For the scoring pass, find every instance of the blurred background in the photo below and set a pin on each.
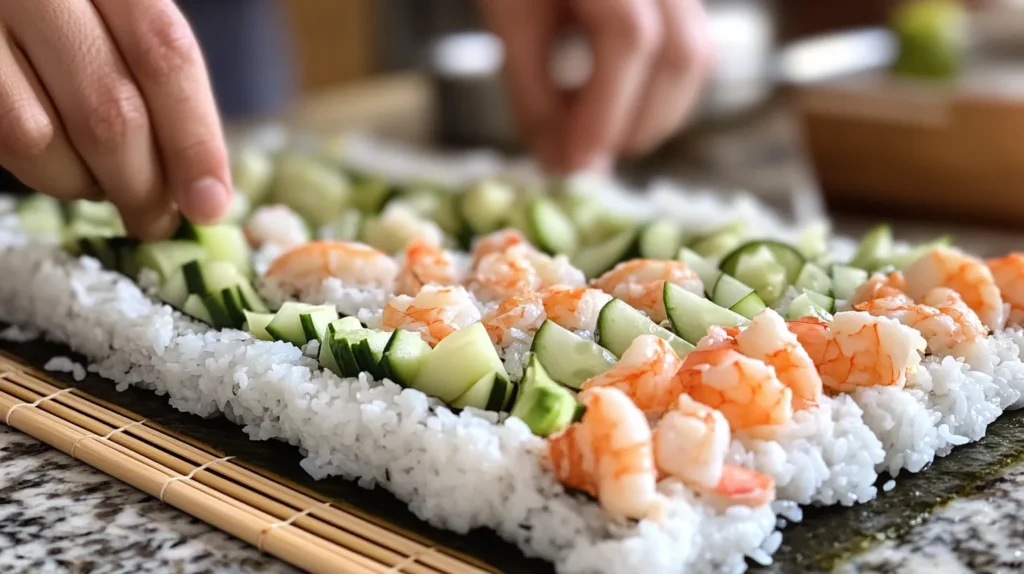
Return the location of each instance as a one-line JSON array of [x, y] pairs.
[[813, 103]]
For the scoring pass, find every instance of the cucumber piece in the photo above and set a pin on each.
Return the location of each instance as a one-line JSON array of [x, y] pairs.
[[731, 293], [287, 324], [347, 227], [486, 205], [208, 309], [370, 351], [767, 266], [490, 393], [902, 260], [458, 361], [403, 357], [358, 351], [40, 214], [100, 213], [846, 279], [210, 276], [594, 222], [596, 259], [317, 192], [250, 299], [252, 172], [811, 304], [691, 315], [165, 257], [326, 355], [195, 307], [369, 194], [550, 228], [660, 240], [436, 205], [231, 299], [544, 405], [568, 358], [125, 249], [256, 324], [717, 244], [98, 248], [224, 242], [174, 291], [314, 323], [345, 324], [618, 325], [875, 248], [704, 269], [344, 356], [814, 278], [812, 240]]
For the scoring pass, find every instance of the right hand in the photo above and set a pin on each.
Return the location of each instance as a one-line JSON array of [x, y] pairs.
[[108, 99]]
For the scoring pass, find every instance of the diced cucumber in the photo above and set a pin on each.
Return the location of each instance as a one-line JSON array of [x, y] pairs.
[[314, 323], [256, 324], [98, 248], [100, 213], [344, 356], [369, 193], [691, 315], [812, 241], [568, 358], [40, 214], [458, 361], [731, 293], [846, 279], [250, 299], [359, 351], [717, 244], [224, 242], [345, 324], [370, 351], [287, 324], [196, 308], [252, 172], [618, 325], [174, 291], [660, 240], [347, 227], [544, 405], [902, 260], [486, 205], [594, 221], [704, 269], [596, 259], [875, 248], [490, 393], [437, 205], [316, 191], [550, 228], [208, 309], [814, 278], [166, 257], [125, 249], [231, 299], [326, 355], [767, 266], [811, 304], [403, 357], [210, 276]]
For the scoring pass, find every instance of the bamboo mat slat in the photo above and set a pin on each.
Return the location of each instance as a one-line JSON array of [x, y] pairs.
[[298, 527]]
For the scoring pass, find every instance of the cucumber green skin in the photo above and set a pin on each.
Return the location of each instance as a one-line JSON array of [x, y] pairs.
[[403, 357], [569, 359], [786, 255], [685, 310], [457, 362], [618, 325], [544, 405]]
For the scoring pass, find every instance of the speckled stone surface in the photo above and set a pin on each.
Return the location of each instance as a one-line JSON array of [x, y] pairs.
[[59, 515]]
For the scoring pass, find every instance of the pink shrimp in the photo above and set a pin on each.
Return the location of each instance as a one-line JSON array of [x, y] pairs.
[[1008, 273], [968, 276], [575, 308], [354, 264], [767, 339], [496, 242], [425, 264], [646, 373], [947, 324], [501, 274], [517, 318], [609, 454], [879, 286], [435, 312], [641, 283]]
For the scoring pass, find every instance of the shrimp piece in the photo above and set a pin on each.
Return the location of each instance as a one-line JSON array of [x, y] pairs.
[[968, 276], [741, 486], [860, 350], [496, 242], [646, 373], [502, 274], [641, 283], [555, 270], [575, 308], [879, 286], [515, 319], [1008, 273], [745, 390], [355, 264], [767, 339], [435, 312], [609, 454], [947, 324], [425, 264], [277, 225], [690, 443]]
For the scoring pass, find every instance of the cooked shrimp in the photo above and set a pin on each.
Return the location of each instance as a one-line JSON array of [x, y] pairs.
[[944, 320], [501, 274], [646, 373], [496, 242], [641, 283], [691, 441], [575, 308], [278, 225], [860, 350], [555, 270], [741, 486], [878, 287], [425, 264], [609, 454], [968, 276], [435, 312], [355, 264], [1009, 275], [745, 390], [767, 339], [517, 318]]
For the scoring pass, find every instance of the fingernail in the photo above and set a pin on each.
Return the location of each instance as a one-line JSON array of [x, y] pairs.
[[206, 200]]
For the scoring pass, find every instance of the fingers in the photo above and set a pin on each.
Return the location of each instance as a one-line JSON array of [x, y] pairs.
[[101, 108], [677, 78], [164, 58], [527, 29], [625, 37], [33, 145]]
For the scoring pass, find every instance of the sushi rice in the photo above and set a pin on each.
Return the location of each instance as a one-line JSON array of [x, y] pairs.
[[379, 434]]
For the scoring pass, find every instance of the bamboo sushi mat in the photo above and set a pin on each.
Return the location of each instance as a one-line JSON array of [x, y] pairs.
[[291, 524]]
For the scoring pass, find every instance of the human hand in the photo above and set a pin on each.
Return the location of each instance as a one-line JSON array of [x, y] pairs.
[[650, 60], [107, 99]]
